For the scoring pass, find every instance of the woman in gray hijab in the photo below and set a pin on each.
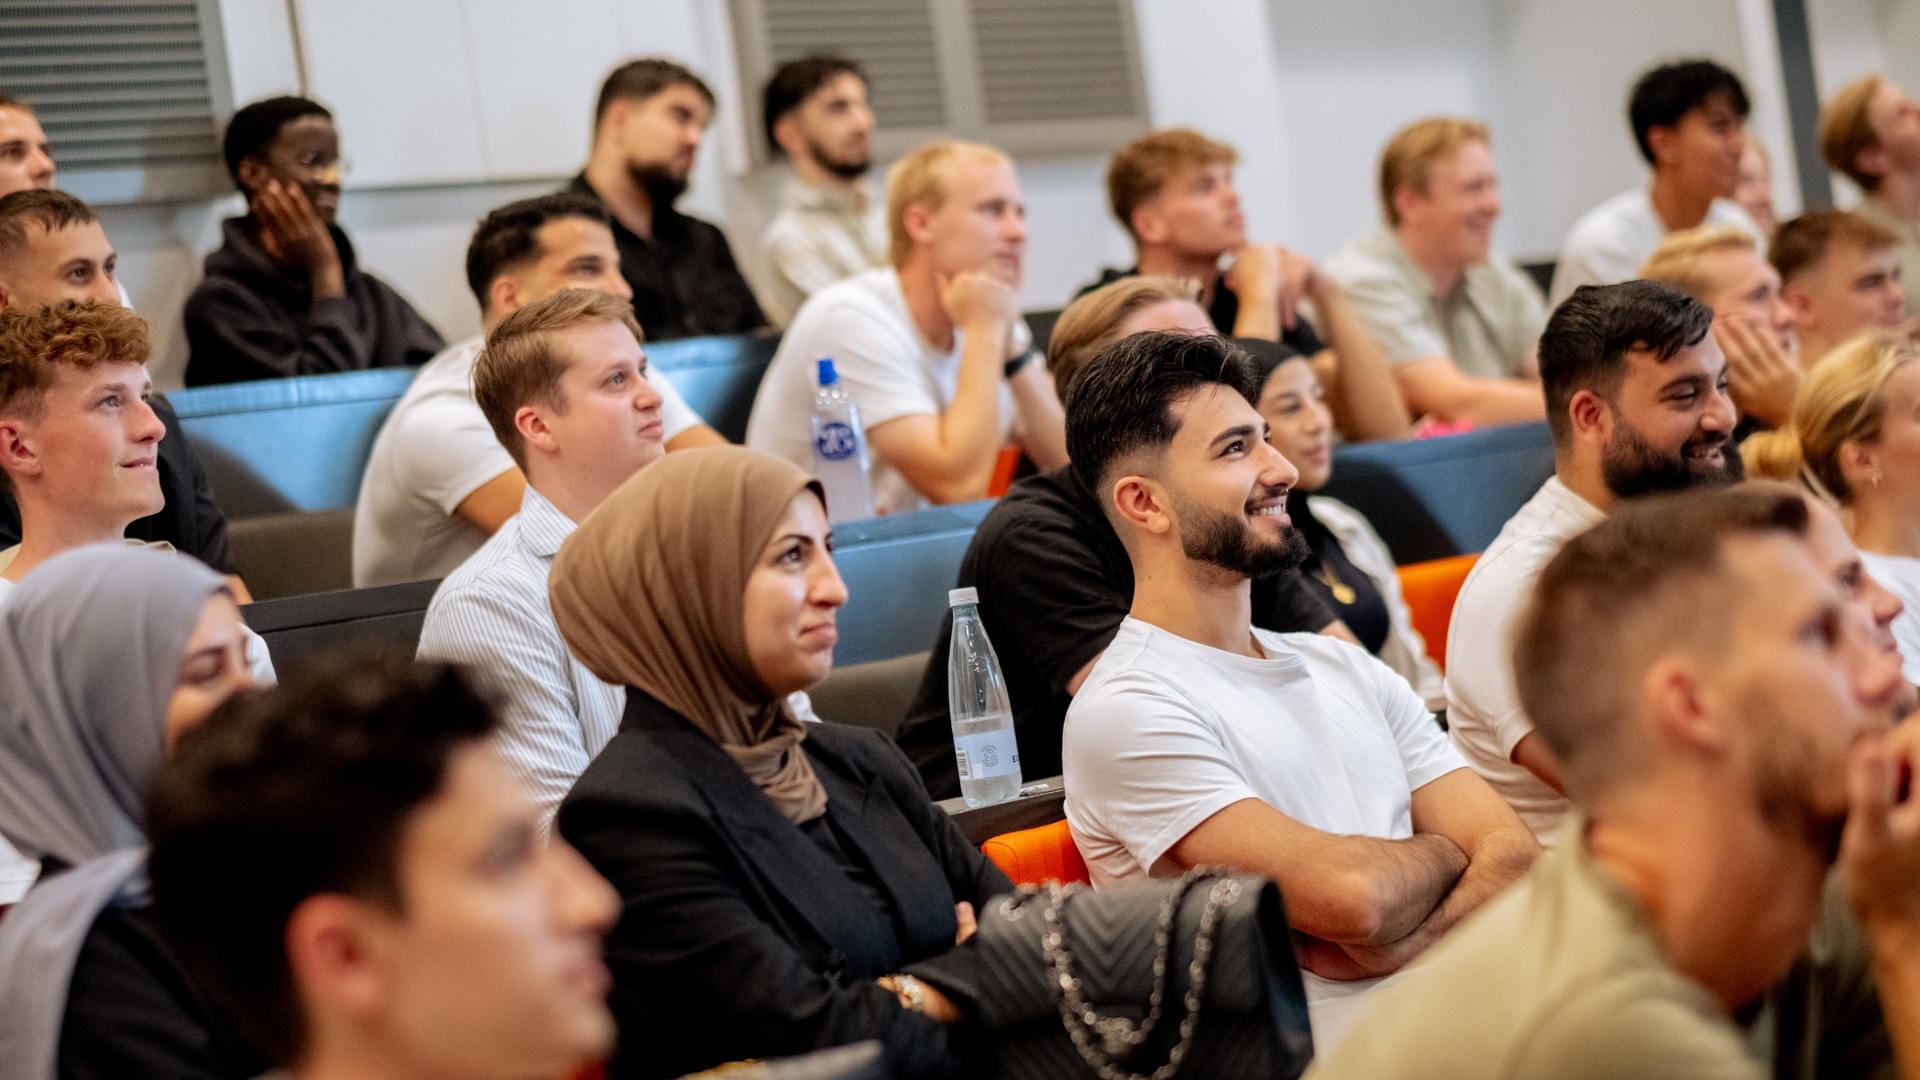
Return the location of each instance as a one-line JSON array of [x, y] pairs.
[[107, 653]]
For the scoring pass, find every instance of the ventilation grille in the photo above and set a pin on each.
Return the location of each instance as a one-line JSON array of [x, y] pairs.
[[1051, 60], [892, 40], [117, 84]]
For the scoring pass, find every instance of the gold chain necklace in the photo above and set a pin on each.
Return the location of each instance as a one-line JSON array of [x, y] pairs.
[[1342, 591]]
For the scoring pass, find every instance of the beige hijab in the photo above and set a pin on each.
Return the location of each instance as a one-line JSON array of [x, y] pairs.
[[648, 593]]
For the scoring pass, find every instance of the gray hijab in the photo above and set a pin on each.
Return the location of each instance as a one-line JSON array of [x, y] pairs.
[[90, 648]]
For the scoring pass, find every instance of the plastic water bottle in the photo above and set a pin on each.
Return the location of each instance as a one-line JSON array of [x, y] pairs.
[[983, 742], [840, 450]]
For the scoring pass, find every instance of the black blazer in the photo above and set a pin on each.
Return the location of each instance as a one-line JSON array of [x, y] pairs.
[[738, 936]]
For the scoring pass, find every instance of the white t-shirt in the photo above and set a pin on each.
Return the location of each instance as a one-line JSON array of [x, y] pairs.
[[435, 449], [17, 872], [1901, 577], [1167, 732], [1484, 716], [1612, 241], [862, 324]]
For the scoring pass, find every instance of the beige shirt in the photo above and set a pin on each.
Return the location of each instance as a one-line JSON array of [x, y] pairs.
[[1487, 324], [1909, 248], [820, 236], [1560, 976]]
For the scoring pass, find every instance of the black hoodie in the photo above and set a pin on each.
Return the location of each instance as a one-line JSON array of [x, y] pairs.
[[252, 319]]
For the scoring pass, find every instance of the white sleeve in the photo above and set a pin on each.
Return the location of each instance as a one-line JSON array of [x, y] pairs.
[[1425, 752], [1590, 258], [444, 449], [675, 414], [879, 364], [1144, 767], [259, 660], [1480, 691]]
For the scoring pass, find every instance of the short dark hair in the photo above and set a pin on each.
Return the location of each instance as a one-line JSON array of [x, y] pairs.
[[1586, 342], [1667, 93], [1800, 245], [254, 128], [642, 79], [1121, 401], [510, 236], [51, 210], [1645, 580], [286, 793], [795, 82]]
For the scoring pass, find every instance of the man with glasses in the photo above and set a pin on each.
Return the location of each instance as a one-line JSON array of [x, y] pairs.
[[284, 294]]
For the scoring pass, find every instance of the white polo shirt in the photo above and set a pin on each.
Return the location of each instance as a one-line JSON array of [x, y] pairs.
[[862, 324], [1484, 717], [1612, 241], [435, 449]]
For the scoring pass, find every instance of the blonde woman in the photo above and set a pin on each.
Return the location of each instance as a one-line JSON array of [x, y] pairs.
[[1854, 437]]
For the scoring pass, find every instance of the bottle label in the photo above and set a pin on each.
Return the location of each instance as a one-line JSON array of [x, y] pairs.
[[836, 442], [989, 754]]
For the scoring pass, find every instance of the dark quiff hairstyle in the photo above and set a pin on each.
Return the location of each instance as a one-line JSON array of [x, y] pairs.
[[1648, 580], [1121, 401], [642, 79], [509, 237], [287, 793], [795, 82], [254, 128], [1586, 342], [1667, 93]]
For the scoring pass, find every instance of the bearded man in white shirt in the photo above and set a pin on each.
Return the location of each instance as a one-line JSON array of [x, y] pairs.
[[1636, 391], [438, 482], [1199, 740]]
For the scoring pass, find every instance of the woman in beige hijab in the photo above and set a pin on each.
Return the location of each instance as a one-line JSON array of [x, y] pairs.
[[777, 876]]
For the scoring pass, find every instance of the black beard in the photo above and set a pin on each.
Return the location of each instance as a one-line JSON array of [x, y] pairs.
[[1633, 466], [845, 170], [1226, 541], [660, 183]]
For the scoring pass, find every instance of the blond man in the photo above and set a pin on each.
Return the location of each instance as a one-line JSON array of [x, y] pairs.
[[1870, 130], [1840, 274], [1720, 266], [1459, 329], [932, 347]]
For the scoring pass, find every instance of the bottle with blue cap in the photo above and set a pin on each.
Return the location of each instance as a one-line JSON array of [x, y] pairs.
[[984, 747], [840, 450]]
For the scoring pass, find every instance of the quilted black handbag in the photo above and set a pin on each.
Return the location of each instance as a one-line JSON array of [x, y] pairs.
[[1194, 977]]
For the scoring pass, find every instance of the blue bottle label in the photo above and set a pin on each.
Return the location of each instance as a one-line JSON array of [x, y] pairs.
[[835, 442]]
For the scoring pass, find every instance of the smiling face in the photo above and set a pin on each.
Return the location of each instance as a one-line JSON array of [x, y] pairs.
[[1703, 150], [1227, 487], [491, 968], [214, 668], [981, 223], [791, 600], [1671, 423], [1454, 217], [1299, 424], [1197, 214], [74, 263], [26, 157], [91, 453]]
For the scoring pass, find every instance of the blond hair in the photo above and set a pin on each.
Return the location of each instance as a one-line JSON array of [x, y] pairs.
[[1092, 322], [1409, 157], [1681, 259], [1846, 129], [920, 179], [1842, 400], [523, 361], [1141, 169]]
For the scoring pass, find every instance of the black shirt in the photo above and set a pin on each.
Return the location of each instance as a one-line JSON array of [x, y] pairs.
[[1054, 583], [684, 281], [132, 1011], [1343, 586], [251, 318], [191, 521], [1301, 340]]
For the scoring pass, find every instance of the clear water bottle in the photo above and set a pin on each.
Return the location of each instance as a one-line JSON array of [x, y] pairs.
[[983, 743], [840, 450]]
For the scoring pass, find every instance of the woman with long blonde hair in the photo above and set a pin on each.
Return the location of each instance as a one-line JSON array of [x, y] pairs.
[[1854, 439]]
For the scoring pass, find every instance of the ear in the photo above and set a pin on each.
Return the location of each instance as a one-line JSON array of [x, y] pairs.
[[616, 117], [917, 221], [17, 456], [1148, 226], [1794, 295], [6, 295], [1873, 161], [1590, 416], [1859, 463], [531, 422], [786, 132], [503, 296], [1142, 503], [1681, 707], [253, 176], [335, 953], [1660, 140], [1405, 200]]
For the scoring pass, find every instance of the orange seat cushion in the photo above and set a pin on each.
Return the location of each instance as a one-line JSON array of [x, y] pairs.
[[1034, 856], [1430, 589], [1004, 466]]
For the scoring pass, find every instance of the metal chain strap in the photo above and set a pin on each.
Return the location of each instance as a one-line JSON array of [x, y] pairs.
[[1119, 1038]]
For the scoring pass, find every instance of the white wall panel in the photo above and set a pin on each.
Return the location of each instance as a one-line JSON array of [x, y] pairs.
[[537, 77]]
